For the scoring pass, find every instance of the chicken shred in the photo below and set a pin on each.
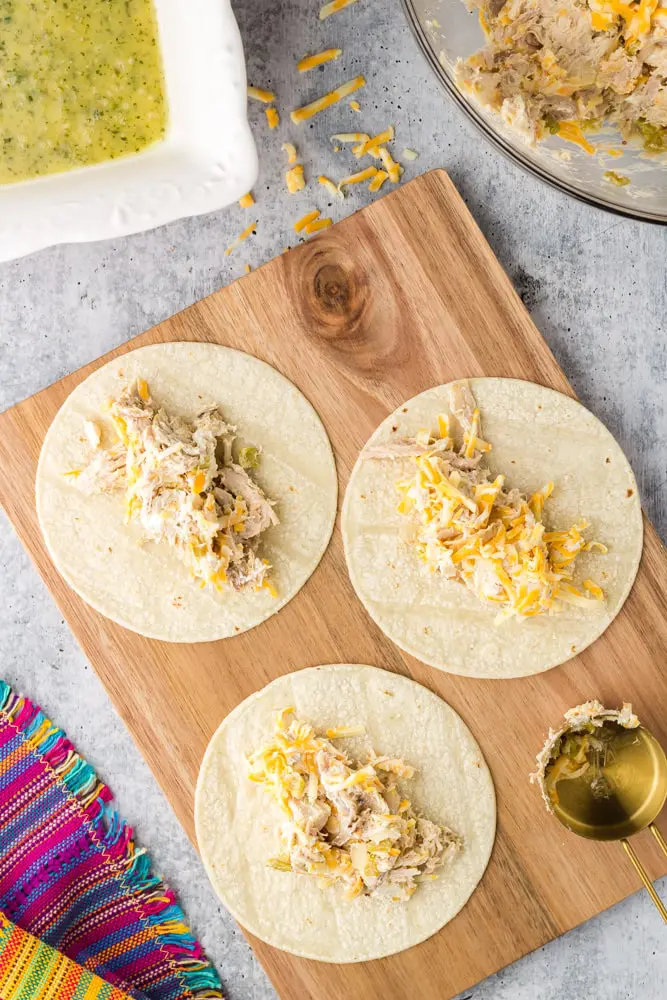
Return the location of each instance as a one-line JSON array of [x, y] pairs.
[[347, 823], [182, 484]]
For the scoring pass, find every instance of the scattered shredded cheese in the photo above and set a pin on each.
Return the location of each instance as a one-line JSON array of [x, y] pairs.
[[290, 149], [355, 106], [409, 154], [247, 269], [393, 169], [240, 238], [265, 96], [294, 179], [272, 117], [317, 225], [350, 137], [330, 186], [311, 62], [247, 201], [333, 7], [379, 179], [359, 177], [302, 114], [371, 145], [306, 219]]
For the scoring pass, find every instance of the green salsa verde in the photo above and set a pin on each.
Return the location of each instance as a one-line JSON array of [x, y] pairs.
[[81, 82]]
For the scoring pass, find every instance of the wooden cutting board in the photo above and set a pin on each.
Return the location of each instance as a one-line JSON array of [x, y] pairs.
[[401, 296]]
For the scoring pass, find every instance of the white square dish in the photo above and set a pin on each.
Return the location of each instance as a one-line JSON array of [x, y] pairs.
[[206, 160]]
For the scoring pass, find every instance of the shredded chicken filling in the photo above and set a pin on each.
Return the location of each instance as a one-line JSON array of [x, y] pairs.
[[555, 66], [183, 485], [347, 823], [473, 530]]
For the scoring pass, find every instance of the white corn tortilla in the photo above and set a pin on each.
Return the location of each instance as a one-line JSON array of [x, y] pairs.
[[537, 435], [146, 587], [237, 821]]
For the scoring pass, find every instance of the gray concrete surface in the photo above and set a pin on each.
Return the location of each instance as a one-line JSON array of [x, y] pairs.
[[594, 283]]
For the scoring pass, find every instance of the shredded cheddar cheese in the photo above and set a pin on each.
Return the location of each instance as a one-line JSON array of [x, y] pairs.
[[330, 186], [306, 112], [377, 181], [354, 106], [393, 169], [350, 137], [265, 96], [305, 219], [371, 145], [410, 154], [333, 7], [311, 62], [247, 201], [241, 238], [317, 225], [290, 149], [272, 117], [294, 179], [247, 268], [358, 178]]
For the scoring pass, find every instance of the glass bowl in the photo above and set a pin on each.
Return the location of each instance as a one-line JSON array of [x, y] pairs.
[[447, 31]]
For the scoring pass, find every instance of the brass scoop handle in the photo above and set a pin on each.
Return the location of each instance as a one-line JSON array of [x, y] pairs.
[[641, 871]]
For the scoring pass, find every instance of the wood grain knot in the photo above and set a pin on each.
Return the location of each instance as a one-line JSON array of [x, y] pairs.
[[339, 295], [348, 306], [332, 289]]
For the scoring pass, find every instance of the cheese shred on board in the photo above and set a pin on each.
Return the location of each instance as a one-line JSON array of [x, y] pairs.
[[311, 62], [333, 7], [294, 179], [272, 117], [265, 96], [305, 219], [240, 238], [345, 89], [345, 823], [247, 201], [473, 530]]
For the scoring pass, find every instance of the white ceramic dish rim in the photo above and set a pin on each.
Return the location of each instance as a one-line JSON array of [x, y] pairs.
[[206, 161]]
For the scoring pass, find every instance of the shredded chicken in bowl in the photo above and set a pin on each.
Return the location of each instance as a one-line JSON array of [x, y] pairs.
[[567, 66], [184, 486], [347, 823]]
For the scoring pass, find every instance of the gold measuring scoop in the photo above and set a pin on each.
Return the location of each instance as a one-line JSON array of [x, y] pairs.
[[609, 785]]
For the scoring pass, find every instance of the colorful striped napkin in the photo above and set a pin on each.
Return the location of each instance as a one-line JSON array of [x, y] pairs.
[[31, 970], [71, 875]]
